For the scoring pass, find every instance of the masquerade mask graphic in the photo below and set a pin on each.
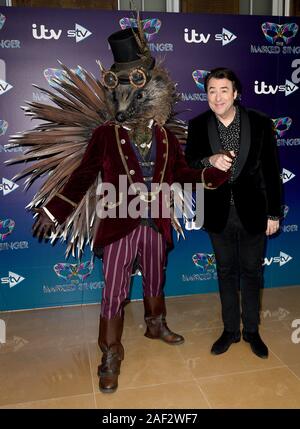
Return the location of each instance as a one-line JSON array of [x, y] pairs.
[[274, 32], [281, 125], [205, 261], [74, 272], [59, 74], [2, 20], [150, 26], [199, 75], [3, 127], [285, 210], [6, 227]]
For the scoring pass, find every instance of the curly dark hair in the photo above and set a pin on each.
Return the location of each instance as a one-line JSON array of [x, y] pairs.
[[224, 73]]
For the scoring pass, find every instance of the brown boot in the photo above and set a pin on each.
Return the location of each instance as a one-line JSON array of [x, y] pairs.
[[110, 333], [155, 318]]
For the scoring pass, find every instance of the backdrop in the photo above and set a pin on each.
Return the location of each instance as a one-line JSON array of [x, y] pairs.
[[265, 53]]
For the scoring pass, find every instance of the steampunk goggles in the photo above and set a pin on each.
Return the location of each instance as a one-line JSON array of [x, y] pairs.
[[137, 77]]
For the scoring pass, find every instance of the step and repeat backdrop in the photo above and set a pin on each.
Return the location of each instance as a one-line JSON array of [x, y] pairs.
[[264, 51]]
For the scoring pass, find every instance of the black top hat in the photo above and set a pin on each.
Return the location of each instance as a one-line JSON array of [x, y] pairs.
[[127, 53]]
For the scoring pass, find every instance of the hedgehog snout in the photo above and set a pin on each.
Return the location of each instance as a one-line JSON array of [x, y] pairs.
[[120, 116]]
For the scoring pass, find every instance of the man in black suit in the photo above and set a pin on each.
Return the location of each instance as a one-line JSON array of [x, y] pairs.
[[240, 213]]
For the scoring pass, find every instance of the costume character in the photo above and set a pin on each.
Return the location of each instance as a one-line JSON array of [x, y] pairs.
[[123, 126]]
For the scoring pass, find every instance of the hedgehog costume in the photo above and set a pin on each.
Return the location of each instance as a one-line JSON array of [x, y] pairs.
[[97, 132]]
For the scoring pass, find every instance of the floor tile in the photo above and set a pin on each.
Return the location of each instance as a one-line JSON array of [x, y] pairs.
[[274, 388], [44, 373], [70, 402], [238, 358], [170, 395], [146, 362]]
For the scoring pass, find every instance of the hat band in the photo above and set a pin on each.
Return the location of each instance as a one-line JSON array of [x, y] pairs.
[[132, 64]]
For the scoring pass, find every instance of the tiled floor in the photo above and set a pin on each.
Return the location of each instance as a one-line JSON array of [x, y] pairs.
[[50, 359]]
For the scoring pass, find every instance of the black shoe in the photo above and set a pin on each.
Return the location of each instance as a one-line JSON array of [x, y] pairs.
[[256, 343], [225, 341]]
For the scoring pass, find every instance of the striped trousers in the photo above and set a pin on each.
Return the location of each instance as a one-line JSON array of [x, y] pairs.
[[150, 248]]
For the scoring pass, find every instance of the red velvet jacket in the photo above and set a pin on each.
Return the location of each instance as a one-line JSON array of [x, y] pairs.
[[110, 152]]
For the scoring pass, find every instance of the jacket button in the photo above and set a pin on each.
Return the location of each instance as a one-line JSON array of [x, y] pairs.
[[126, 157], [164, 141], [209, 184], [131, 172], [123, 141]]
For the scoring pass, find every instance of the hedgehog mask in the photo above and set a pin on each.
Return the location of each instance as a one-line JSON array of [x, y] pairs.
[[134, 93], [138, 92]]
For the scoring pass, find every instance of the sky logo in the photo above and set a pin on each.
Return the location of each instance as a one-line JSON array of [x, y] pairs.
[[150, 26], [7, 186], [279, 33], [281, 125], [6, 228], [3, 127], [199, 76], [12, 280]]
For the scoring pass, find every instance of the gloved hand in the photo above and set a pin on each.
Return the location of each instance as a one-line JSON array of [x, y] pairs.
[[43, 226], [212, 177]]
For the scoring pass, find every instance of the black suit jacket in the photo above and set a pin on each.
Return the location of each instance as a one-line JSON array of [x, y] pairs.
[[256, 183]]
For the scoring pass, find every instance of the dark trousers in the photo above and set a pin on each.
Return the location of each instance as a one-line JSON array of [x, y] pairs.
[[239, 257]]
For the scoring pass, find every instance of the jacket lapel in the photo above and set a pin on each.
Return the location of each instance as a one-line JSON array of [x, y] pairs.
[[213, 135], [245, 139], [161, 154]]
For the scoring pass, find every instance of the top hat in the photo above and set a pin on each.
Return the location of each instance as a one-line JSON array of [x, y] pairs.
[[128, 53]]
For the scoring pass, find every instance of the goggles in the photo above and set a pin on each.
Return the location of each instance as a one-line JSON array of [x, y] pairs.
[[137, 77]]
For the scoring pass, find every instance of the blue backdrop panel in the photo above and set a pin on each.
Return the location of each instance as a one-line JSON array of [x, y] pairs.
[[264, 52]]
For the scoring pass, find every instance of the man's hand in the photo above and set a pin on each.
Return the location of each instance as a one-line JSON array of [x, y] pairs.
[[222, 161], [43, 226], [272, 226]]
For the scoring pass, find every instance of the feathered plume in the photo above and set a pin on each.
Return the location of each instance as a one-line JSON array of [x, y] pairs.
[[58, 144]]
